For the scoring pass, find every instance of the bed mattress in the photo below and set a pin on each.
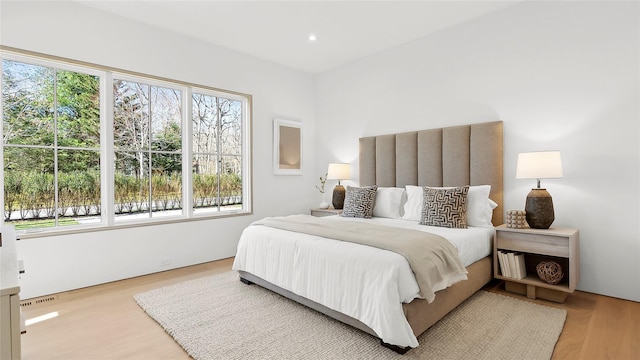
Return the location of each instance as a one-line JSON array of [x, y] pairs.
[[363, 282]]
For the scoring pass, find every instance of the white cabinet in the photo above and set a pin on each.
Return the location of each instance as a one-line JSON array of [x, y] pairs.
[[10, 322]]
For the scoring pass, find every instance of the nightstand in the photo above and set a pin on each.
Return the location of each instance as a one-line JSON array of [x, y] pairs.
[[556, 244], [325, 212]]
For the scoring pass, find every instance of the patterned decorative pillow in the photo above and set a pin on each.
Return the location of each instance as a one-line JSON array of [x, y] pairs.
[[445, 207], [359, 201]]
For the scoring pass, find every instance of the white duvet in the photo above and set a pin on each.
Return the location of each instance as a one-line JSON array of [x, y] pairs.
[[366, 283]]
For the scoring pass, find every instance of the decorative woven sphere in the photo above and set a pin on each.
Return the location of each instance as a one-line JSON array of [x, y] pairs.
[[550, 271]]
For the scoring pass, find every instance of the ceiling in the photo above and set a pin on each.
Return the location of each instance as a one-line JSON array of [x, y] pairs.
[[278, 31]]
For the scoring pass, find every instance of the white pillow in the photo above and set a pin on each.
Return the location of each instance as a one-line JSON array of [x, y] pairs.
[[388, 202], [413, 206], [479, 211], [479, 206]]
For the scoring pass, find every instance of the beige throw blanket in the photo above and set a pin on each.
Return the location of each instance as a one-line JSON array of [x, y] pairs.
[[433, 260]]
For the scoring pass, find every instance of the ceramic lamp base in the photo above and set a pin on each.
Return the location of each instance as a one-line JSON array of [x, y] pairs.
[[338, 197], [539, 208]]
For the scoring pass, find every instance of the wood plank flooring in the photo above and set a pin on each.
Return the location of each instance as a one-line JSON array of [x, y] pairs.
[[104, 322]]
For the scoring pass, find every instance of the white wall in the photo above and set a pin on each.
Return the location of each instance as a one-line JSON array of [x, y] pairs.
[[560, 75], [60, 263]]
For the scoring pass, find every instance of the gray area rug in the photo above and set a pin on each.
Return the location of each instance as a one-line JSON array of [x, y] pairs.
[[218, 317]]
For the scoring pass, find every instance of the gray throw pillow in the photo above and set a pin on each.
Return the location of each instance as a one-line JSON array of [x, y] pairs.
[[445, 207], [359, 201]]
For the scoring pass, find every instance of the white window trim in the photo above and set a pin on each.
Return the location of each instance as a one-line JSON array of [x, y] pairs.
[[106, 75]]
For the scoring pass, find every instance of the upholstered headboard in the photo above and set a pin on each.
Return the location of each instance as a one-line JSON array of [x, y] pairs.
[[451, 156]]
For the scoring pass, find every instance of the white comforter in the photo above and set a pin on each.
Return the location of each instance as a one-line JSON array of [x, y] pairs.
[[377, 281]]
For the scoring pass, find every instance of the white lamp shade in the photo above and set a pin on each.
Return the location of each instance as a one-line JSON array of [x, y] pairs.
[[338, 172], [539, 165]]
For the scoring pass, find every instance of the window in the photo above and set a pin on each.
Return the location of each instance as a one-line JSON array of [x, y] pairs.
[[89, 146], [148, 150], [217, 153], [51, 145]]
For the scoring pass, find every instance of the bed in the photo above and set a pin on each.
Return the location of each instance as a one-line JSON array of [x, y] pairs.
[[308, 268]]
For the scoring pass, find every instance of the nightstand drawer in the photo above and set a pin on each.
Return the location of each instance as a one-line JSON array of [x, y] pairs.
[[534, 243]]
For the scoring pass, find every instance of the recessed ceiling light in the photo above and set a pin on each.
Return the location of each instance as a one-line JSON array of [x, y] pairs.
[[312, 37]]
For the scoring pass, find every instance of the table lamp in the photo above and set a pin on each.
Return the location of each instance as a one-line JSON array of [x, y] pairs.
[[539, 165], [338, 172]]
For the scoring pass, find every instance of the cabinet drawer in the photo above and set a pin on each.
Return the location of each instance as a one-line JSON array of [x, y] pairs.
[[533, 243]]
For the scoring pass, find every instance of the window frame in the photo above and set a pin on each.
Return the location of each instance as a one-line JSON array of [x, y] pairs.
[[245, 139], [107, 146]]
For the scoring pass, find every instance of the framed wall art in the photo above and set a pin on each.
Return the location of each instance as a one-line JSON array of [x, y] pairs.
[[287, 147]]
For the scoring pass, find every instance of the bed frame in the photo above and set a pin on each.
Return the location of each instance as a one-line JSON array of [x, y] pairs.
[[451, 156]]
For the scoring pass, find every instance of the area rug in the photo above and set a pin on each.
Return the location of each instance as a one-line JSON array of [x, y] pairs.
[[218, 317]]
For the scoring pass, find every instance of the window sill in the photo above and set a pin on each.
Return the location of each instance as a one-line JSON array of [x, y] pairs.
[[40, 233]]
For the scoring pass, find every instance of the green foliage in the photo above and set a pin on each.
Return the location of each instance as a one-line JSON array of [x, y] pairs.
[[79, 193], [207, 193], [13, 186], [129, 191], [40, 224], [40, 193], [205, 190], [78, 97], [36, 102], [167, 191], [323, 181]]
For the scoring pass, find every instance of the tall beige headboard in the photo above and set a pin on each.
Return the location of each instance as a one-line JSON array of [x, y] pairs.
[[451, 156]]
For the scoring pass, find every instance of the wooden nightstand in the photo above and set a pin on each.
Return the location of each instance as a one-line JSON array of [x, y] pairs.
[[325, 212], [556, 244]]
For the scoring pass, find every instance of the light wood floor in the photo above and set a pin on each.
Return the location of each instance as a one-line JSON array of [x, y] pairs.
[[104, 322]]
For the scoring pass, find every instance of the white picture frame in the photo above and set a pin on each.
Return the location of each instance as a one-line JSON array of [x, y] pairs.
[[287, 147]]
